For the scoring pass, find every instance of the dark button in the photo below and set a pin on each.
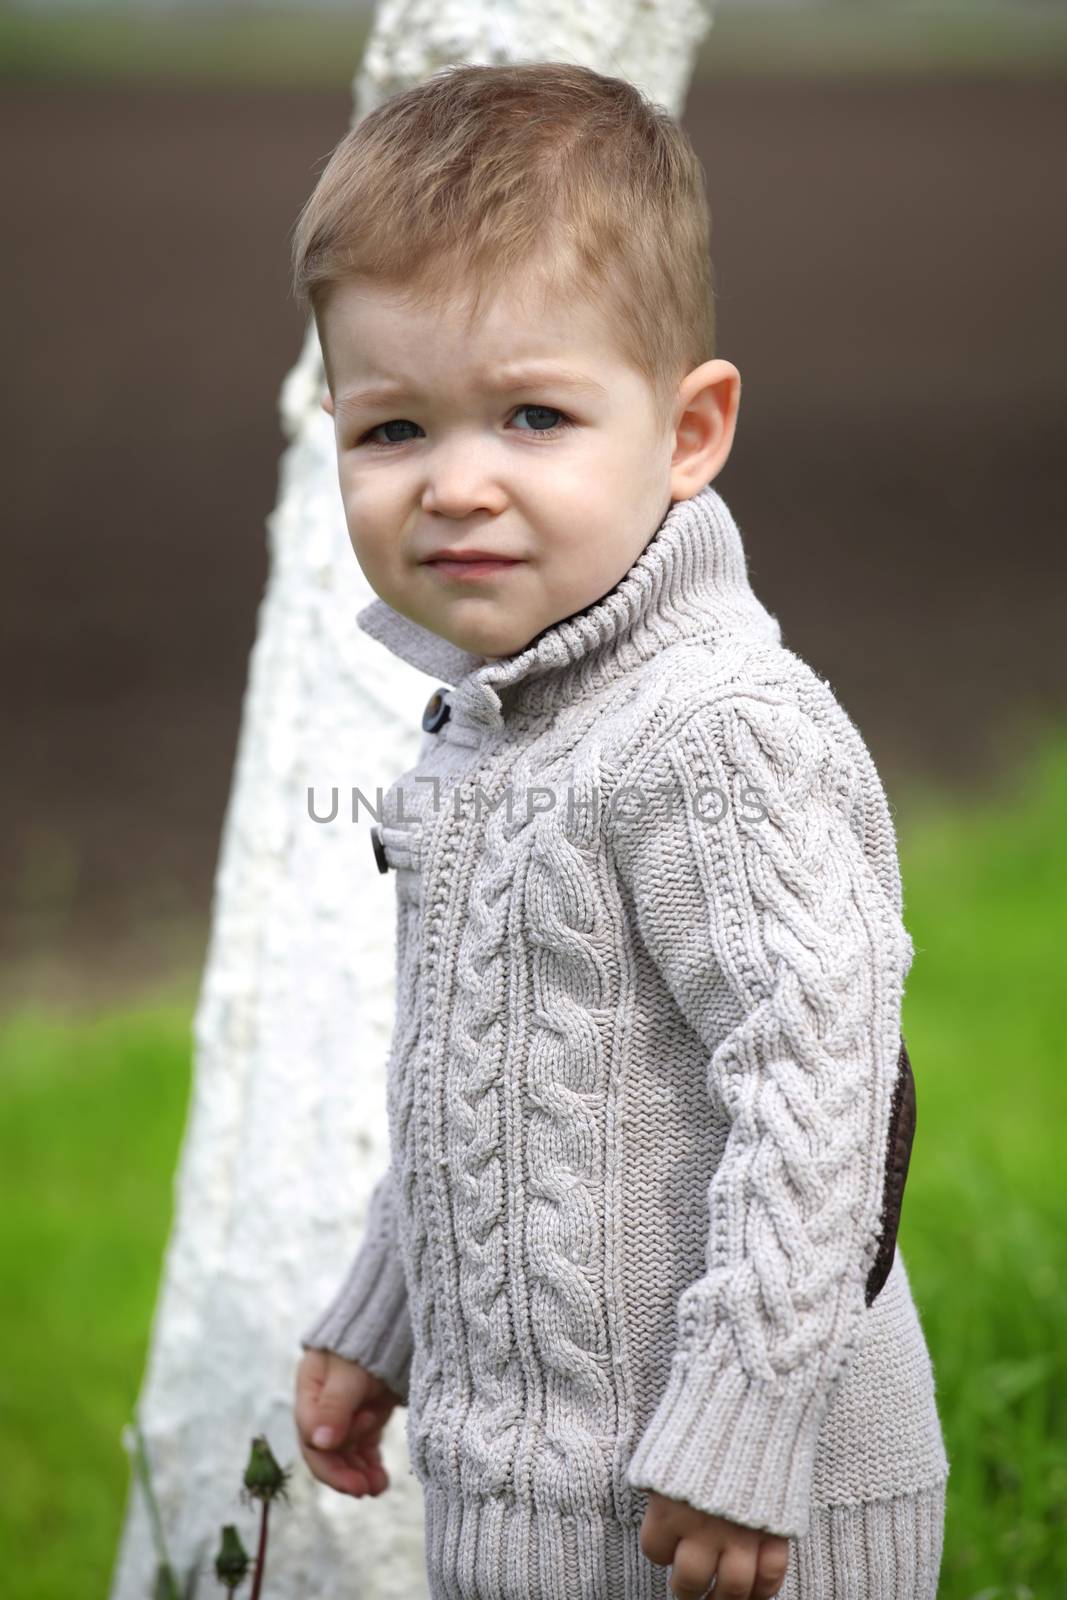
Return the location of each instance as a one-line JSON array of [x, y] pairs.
[[378, 842], [437, 711]]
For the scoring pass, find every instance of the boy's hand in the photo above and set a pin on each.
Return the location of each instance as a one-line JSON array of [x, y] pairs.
[[353, 1406], [746, 1563]]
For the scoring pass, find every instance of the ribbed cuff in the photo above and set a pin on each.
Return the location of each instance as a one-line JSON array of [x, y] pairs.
[[368, 1320], [734, 1447]]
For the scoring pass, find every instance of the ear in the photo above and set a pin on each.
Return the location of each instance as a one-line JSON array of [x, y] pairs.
[[709, 398]]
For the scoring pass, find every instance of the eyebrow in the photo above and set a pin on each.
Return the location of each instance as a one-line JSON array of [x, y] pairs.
[[505, 379]]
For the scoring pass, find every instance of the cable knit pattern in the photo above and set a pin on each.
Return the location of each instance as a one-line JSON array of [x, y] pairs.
[[778, 891], [651, 958]]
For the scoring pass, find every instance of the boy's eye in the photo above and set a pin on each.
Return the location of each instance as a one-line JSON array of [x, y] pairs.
[[539, 426], [540, 412], [396, 422]]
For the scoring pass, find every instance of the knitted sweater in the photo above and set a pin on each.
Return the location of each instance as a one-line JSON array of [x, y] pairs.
[[647, 1053]]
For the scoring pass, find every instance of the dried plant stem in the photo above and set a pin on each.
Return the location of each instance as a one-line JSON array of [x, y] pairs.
[[261, 1553]]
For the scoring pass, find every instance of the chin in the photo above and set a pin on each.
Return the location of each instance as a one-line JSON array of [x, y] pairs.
[[493, 648], [493, 651]]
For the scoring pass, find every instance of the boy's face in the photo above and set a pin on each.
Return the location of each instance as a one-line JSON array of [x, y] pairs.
[[568, 482]]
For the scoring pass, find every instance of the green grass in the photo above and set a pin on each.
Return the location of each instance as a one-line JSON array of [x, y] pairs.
[[985, 1214], [264, 48], [92, 1112]]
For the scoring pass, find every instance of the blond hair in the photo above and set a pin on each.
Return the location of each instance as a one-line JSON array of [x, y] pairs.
[[478, 172]]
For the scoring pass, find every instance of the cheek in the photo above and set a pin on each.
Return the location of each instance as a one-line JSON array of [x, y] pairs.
[[367, 531], [579, 571], [372, 510]]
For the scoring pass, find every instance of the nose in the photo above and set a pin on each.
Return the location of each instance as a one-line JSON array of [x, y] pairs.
[[460, 479]]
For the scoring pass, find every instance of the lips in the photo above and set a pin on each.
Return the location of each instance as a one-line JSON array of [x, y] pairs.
[[472, 567], [454, 556]]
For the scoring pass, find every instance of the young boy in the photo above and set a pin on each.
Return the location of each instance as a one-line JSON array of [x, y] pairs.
[[631, 1268]]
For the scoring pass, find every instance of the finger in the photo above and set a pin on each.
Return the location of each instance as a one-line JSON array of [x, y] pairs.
[[363, 1440], [355, 1470], [692, 1570], [332, 1469], [365, 1424], [657, 1539], [340, 1396], [737, 1573], [377, 1475], [366, 1458], [310, 1375], [369, 1472], [771, 1567]]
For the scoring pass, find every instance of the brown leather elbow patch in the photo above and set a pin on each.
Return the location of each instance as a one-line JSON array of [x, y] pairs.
[[898, 1155]]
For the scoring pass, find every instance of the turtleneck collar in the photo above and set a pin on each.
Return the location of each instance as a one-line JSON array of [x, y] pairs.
[[690, 582]]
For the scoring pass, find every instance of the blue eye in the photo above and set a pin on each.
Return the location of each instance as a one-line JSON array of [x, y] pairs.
[[550, 411], [550, 432], [395, 422]]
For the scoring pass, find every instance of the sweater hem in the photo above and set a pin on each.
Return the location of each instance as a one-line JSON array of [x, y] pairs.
[[496, 1548]]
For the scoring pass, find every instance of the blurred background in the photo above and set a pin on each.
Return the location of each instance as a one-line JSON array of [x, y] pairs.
[[890, 266]]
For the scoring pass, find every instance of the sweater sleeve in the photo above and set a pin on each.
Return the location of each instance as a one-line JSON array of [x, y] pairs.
[[743, 867], [368, 1318]]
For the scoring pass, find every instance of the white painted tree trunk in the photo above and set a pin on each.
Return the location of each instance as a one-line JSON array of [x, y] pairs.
[[286, 1133]]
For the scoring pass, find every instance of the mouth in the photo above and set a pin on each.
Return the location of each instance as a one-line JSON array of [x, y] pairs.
[[471, 569]]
